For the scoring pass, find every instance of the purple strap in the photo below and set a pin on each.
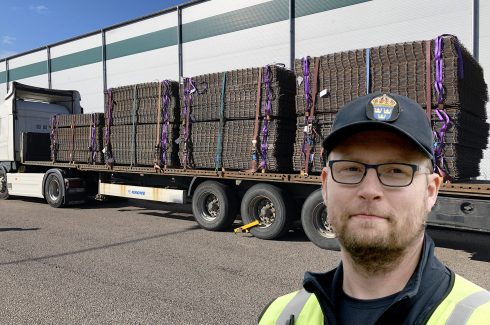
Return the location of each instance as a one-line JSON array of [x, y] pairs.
[[165, 104], [92, 138], [439, 138], [439, 86], [109, 116], [189, 88], [439, 65], [265, 128], [306, 78], [439, 74], [460, 54], [108, 153]]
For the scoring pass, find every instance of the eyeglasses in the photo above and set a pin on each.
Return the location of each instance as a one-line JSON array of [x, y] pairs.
[[391, 174]]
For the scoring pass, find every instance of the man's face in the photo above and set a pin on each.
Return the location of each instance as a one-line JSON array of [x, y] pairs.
[[370, 215]]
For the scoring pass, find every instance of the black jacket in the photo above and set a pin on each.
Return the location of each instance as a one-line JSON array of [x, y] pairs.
[[428, 286]]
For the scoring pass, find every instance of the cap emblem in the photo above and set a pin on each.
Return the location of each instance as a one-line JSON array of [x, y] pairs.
[[383, 108]]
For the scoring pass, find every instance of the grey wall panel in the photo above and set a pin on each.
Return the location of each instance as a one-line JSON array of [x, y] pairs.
[[381, 22], [30, 69], [87, 80], [148, 66], [77, 65], [230, 39], [143, 51], [3, 77], [246, 48]]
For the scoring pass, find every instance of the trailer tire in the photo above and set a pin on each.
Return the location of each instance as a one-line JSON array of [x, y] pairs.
[[54, 190], [4, 191], [315, 224], [269, 205], [214, 206]]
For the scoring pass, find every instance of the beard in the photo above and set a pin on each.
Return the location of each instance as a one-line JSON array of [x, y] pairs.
[[377, 250]]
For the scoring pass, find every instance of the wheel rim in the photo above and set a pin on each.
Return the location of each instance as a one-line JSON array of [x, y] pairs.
[[3, 183], [263, 209], [210, 207], [54, 190], [320, 221]]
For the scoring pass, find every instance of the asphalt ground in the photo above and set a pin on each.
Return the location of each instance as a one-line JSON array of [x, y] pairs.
[[130, 262]]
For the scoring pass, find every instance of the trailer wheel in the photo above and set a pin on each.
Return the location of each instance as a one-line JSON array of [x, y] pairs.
[[315, 223], [54, 190], [214, 206], [270, 206], [4, 192]]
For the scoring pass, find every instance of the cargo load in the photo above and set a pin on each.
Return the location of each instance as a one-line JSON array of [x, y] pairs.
[[77, 138], [142, 123], [238, 120], [440, 74]]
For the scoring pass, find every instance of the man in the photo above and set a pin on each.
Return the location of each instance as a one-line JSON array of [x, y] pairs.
[[379, 187]]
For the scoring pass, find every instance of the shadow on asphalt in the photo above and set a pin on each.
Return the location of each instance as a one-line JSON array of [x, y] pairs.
[[18, 229], [169, 214], [97, 248], [475, 243]]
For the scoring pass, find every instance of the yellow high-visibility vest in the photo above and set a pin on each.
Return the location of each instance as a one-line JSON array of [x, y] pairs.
[[466, 303]]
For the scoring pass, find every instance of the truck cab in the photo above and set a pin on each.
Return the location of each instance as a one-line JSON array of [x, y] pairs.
[[29, 109]]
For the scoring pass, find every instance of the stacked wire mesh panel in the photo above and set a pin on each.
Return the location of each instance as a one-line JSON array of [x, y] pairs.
[[77, 138], [142, 123], [238, 120], [335, 79], [440, 74], [443, 75]]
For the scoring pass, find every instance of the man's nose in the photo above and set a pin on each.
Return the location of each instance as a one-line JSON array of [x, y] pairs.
[[371, 188]]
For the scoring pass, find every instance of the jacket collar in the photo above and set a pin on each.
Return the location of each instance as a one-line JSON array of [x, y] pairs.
[[327, 286]]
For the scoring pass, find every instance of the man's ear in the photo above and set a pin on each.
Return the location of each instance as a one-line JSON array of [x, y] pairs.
[[433, 184], [324, 184]]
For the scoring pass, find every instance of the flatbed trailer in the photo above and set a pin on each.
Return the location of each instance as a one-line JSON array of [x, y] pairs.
[[463, 206]]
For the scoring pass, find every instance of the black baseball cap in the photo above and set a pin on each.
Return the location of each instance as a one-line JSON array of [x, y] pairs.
[[383, 110]]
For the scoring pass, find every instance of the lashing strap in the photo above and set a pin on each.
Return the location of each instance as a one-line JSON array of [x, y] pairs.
[[54, 137], [266, 120], [254, 160], [109, 159], [92, 147], [133, 128], [163, 139], [72, 142], [219, 146], [188, 88], [309, 117], [440, 112], [157, 150], [428, 93], [368, 71]]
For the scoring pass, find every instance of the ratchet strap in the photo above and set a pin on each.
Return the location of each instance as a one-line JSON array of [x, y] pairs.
[[72, 142], [309, 117], [133, 129], [428, 96], [255, 156], [221, 129], [157, 150]]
